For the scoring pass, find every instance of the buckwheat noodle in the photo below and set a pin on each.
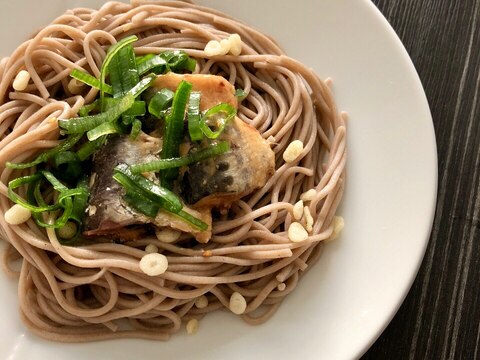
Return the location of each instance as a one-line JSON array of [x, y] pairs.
[[98, 291]]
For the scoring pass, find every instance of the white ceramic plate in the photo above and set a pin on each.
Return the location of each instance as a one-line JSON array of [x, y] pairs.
[[345, 302]]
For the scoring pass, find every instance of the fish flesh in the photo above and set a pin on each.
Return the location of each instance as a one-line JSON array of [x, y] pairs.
[[218, 182], [108, 214], [213, 183]]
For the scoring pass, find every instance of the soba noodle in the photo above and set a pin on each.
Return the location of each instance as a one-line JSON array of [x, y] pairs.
[[94, 292]]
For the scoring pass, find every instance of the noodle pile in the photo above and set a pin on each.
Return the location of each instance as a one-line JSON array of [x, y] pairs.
[[94, 292]]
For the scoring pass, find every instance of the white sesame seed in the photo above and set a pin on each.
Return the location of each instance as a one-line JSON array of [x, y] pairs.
[[21, 80], [238, 304], [296, 232], [294, 149], [308, 219], [192, 326], [213, 48], [225, 46], [281, 287], [151, 248], [17, 215], [338, 225], [154, 264], [127, 27], [235, 44], [201, 302], [167, 235], [298, 210], [68, 231], [308, 195]]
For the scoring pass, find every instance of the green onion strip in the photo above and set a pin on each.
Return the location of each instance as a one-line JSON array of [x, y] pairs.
[[162, 164]]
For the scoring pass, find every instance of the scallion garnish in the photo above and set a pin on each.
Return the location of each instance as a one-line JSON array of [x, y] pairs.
[[80, 202], [107, 128], [136, 127], [112, 51], [160, 102], [68, 165], [123, 71], [35, 202], [174, 131], [65, 145], [240, 94], [137, 183], [147, 197], [142, 85], [87, 109], [197, 223], [87, 149], [200, 155], [138, 108], [154, 63], [90, 80], [83, 124], [218, 116], [166, 61], [141, 203]]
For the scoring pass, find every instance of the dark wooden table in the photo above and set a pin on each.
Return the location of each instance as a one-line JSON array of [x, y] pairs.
[[440, 318]]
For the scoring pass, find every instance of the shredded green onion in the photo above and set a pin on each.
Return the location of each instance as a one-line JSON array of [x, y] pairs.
[[89, 148], [162, 164], [174, 131], [166, 61], [112, 51], [35, 202], [138, 108], [217, 116], [68, 165], [80, 203], [67, 144], [178, 60], [197, 223], [160, 102], [155, 63], [141, 203], [103, 129], [240, 94], [83, 124], [87, 109], [90, 80], [136, 128], [142, 85], [148, 198], [131, 182], [123, 71]]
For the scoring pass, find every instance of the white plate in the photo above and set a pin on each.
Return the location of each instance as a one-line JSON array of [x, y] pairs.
[[345, 302]]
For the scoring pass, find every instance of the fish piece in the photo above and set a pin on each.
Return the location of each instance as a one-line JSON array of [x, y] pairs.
[[108, 214], [107, 211], [219, 181]]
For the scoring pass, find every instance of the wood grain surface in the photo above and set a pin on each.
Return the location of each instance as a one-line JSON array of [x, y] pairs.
[[440, 318]]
